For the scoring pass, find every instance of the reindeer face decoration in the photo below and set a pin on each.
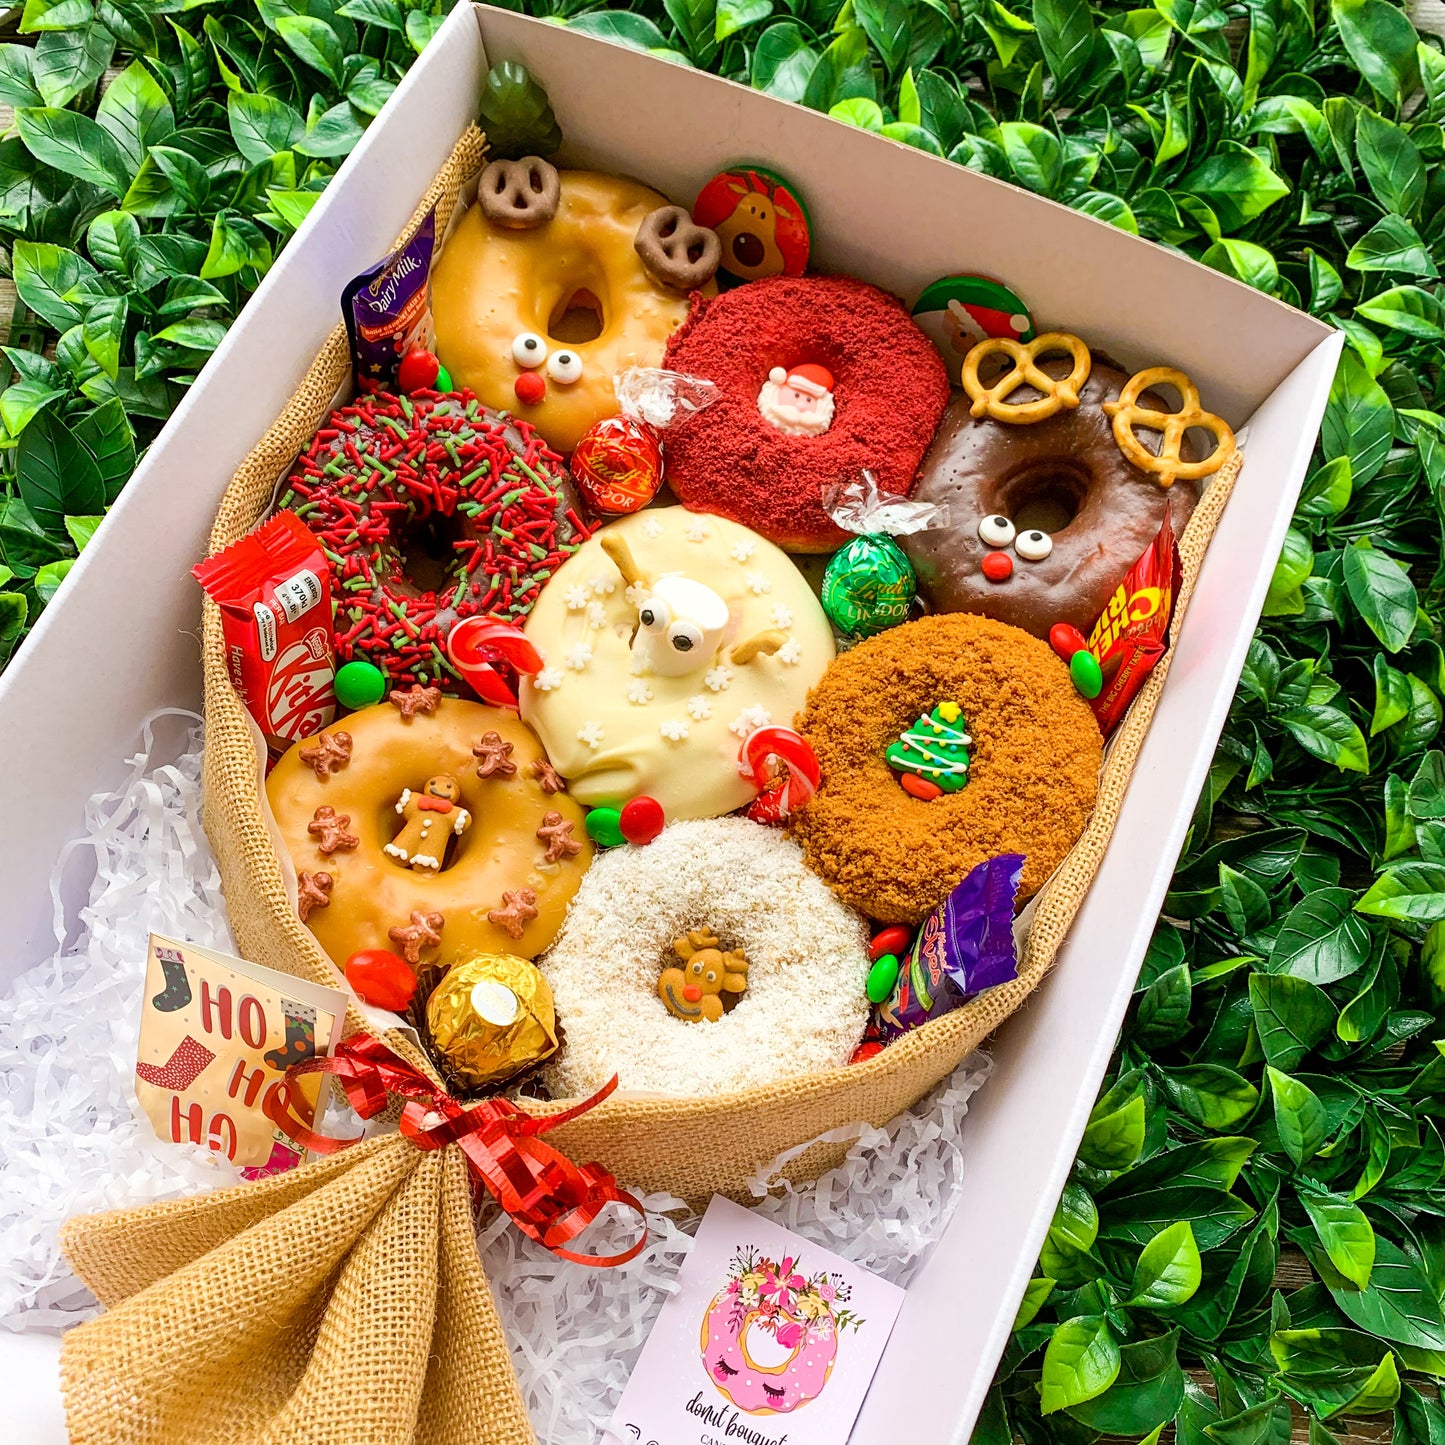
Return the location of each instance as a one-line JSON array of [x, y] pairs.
[[692, 992], [759, 221]]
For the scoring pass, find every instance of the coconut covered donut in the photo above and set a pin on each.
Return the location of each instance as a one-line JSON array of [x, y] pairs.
[[668, 638], [537, 312], [430, 826], [820, 378], [931, 698], [1044, 520], [806, 962]]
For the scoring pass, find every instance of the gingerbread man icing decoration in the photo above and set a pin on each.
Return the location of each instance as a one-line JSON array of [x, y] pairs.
[[431, 817], [692, 992]]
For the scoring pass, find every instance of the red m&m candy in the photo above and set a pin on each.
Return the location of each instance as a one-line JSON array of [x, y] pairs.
[[418, 370], [997, 566], [893, 939], [641, 819], [1066, 640]]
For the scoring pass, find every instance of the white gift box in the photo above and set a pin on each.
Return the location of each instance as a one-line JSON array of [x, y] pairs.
[[122, 637]]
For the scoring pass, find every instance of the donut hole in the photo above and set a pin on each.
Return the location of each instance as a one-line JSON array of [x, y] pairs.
[[426, 550], [1044, 496], [576, 318]]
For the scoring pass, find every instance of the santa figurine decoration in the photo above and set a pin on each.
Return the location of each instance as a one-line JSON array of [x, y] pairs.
[[798, 399]]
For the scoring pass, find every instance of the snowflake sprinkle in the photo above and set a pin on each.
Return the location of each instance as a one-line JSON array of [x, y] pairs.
[[576, 598], [699, 707], [547, 679], [638, 692], [673, 730], [749, 720], [718, 679], [596, 616], [637, 593], [696, 530], [790, 653], [759, 583], [741, 551], [579, 656], [782, 615], [590, 733], [603, 584], [651, 527]]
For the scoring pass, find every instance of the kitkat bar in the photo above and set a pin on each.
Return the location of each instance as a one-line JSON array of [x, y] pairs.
[[1132, 632], [274, 592]]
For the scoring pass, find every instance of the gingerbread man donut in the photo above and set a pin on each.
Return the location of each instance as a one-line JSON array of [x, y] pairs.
[[435, 829], [555, 282], [667, 639]]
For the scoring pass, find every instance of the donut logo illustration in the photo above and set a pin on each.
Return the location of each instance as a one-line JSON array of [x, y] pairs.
[[769, 1337]]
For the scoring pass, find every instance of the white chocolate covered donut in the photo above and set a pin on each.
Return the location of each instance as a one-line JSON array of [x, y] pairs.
[[653, 680], [804, 1007]]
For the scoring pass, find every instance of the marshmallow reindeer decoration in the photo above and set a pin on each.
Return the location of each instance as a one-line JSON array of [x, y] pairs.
[[681, 622]]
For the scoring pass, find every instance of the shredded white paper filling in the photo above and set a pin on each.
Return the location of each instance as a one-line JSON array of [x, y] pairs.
[[72, 1140]]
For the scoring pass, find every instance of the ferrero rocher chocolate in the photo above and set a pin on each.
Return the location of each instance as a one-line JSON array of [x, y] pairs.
[[491, 1017]]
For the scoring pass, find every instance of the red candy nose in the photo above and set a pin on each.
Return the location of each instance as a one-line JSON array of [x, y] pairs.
[[691, 992], [530, 388], [997, 566]]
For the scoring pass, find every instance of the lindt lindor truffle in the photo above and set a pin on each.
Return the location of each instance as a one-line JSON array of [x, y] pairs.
[[492, 1018], [964, 946]]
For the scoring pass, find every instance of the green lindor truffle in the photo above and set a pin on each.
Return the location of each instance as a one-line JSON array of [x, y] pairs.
[[935, 748]]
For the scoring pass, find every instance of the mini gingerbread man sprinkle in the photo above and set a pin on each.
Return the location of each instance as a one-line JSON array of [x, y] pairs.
[[556, 833], [424, 931], [520, 907], [415, 699], [329, 752], [550, 780], [312, 891], [493, 756], [329, 827]]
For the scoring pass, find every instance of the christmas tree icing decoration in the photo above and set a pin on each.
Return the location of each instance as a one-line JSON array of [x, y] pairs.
[[935, 748]]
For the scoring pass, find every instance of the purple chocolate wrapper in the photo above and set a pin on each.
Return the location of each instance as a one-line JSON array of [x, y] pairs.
[[964, 946], [386, 310]]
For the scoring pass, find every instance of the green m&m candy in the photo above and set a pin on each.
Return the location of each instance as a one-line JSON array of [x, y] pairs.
[[1087, 675], [604, 827], [359, 684], [868, 586], [881, 978]]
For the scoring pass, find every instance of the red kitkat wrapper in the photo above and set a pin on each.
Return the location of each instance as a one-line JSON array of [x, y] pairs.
[[274, 592], [1132, 632]]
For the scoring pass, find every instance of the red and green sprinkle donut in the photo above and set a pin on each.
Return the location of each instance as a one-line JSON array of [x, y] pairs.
[[431, 508]]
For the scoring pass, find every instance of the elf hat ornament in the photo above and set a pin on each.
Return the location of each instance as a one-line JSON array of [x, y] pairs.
[[957, 312]]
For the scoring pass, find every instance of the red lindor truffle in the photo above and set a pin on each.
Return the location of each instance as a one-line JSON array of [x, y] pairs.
[[381, 978], [890, 390]]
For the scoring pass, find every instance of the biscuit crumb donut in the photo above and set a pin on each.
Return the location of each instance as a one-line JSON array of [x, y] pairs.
[[1035, 751], [883, 383], [804, 1007], [538, 319], [1056, 505], [429, 808]]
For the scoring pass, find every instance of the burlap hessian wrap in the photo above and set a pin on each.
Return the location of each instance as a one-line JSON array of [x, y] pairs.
[[344, 1302]]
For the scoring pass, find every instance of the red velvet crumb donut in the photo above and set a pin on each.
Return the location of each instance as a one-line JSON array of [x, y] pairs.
[[889, 390]]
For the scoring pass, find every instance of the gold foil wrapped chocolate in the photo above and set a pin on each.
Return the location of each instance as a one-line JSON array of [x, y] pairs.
[[491, 1017]]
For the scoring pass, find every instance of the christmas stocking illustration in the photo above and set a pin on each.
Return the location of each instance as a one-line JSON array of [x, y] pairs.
[[300, 1037], [181, 1070], [177, 992]]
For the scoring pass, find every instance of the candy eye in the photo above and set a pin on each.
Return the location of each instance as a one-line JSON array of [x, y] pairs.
[[529, 350], [1033, 546], [654, 614], [684, 636], [565, 367], [697, 968], [712, 978], [996, 531]]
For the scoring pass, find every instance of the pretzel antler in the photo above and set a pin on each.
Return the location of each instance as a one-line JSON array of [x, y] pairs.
[[1058, 392], [621, 554], [765, 643]]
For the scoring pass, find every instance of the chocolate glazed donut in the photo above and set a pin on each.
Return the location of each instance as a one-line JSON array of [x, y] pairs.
[[1064, 476]]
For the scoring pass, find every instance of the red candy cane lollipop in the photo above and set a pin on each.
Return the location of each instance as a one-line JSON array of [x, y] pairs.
[[777, 754], [476, 644]]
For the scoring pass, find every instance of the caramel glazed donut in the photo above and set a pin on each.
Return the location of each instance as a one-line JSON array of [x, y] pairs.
[[556, 281], [437, 833], [1032, 774], [1056, 497]]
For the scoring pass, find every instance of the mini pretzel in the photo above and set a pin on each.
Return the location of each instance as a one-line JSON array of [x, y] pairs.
[[1126, 414], [676, 250], [1057, 392], [520, 195]]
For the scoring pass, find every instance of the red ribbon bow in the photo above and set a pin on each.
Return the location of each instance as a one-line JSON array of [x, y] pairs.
[[547, 1196]]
